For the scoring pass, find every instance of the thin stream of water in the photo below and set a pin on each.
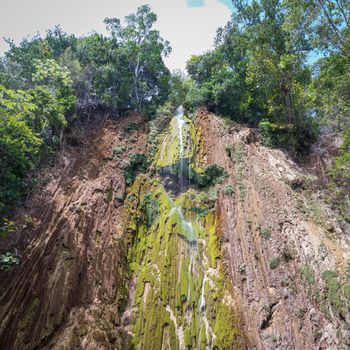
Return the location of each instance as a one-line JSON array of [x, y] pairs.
[[192, 246]]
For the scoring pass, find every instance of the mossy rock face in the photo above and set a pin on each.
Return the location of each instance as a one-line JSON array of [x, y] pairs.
[[169, 149], [181, 295]]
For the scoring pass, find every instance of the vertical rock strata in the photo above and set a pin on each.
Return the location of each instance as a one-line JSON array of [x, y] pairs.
[[286, 253]]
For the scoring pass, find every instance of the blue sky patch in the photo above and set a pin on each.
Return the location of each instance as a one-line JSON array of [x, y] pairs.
[[195, 3], [228, 3], [201, 3]]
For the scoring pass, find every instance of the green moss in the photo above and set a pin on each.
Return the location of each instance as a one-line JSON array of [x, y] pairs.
[[169, 148], [213, 250], [173, 249], [24, 322], [188, 339], [225, 327]]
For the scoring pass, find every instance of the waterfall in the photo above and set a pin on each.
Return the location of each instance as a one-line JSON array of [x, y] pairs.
[[175, 255], [189, 233], [180, 124]]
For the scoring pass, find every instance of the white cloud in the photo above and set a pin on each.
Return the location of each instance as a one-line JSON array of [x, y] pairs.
[[189, 30]]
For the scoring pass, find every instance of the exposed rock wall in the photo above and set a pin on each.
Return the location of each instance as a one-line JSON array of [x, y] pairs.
[[289, 268], [69, 288]]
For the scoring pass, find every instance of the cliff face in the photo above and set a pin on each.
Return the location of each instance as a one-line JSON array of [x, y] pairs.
[[286, 253], [69, 288], [256, 261]]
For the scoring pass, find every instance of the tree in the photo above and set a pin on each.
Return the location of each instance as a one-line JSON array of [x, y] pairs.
[[19, 146], [143, 50]]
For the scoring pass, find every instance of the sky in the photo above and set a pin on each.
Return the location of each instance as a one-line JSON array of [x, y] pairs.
[[189, 25]]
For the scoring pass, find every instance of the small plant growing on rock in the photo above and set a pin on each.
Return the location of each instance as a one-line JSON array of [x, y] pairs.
[[213, 174], [7, 261], [265, 232], [119, 198], [6, 227], [229, 190], [131, 127], [275, 262], [242, 268], [118, 150], [136, 163], [288, 254], [307, 275]]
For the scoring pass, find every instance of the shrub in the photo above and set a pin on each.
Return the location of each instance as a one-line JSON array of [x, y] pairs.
[[307, 275], [212, 175], [274, 135], [275, 262], [229, 190], [340, 179], [131, 127], [332, 289], [117, 151], [7, 261], [294, 138], [136, 163], [265, 232], [119, 197], [242, 268], [6, 227]]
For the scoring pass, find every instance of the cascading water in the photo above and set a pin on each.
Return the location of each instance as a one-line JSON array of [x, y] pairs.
[[178, 298], [180, 124], [187, 226]]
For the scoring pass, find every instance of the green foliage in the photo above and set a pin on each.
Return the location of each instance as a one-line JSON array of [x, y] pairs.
[[137, 163], [19, 149], [122, 71], [183, 92], [117, 151], [44, 81], [213, 174], [30, 125], [145, 78], [275, 262], [332, 289], [265, 232], [6, 227], [131, 127], [340, 179], [257, 71], [274, 135], [229, 190], [7, 261], [307, 275]]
